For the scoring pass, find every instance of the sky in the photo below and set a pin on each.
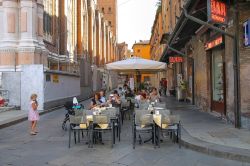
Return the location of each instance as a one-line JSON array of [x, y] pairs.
[[135, 20]]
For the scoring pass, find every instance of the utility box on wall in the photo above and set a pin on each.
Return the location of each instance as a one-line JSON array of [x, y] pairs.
[[246, 26]]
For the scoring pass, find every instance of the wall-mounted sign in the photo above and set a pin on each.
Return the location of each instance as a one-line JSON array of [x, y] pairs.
[[246, 26], [214, 43], [55, 78], [176, 59], [217, 11]]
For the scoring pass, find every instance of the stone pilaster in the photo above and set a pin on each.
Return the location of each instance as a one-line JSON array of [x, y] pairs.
[[8, 33], [31, 47]]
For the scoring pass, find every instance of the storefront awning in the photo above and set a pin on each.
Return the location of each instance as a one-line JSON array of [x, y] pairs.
[[184, 29]]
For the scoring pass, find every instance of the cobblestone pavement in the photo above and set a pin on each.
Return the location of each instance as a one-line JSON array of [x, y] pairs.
[[50, 148]]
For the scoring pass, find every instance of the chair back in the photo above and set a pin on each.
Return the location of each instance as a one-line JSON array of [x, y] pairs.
[[77, 119], [170, 119], [143, 105], [162, 105], [165, 112], [143, 116], [78, 112], [175, 119], [125, 103], [101, 119]]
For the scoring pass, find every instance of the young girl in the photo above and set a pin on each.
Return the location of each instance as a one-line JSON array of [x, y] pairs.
[[33, 114]]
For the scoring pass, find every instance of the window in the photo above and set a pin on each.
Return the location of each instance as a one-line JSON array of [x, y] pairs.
[[48, 78], [138, 50], [103, 10], [110, 23], [48, 21], [109, 9]]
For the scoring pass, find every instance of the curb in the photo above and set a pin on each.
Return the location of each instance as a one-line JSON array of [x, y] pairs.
[[231, 153], [21, 119]]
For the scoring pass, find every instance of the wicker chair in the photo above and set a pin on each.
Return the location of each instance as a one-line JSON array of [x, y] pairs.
[[102, 124], [142, 123], [77, 124], [114, 116], [125, 108], [170, 124]]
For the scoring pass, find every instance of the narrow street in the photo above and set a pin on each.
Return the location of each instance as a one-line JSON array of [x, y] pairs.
[[49, 147]]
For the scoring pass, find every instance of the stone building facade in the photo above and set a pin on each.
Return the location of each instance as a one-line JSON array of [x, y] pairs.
[[65, 41]]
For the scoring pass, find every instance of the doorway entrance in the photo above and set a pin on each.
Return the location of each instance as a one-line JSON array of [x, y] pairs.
[[218, 81]]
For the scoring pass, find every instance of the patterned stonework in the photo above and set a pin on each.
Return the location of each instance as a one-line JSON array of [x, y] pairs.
[[11, 22], [40, 27], [23, 22]]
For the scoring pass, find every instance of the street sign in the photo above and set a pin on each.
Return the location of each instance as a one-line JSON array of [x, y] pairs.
[[246, 26], [214, 43], [217, 11], [176, 59]]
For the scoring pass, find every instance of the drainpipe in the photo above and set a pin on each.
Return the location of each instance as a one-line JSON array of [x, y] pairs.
[[235, 57], [177, 51], [236, 66]]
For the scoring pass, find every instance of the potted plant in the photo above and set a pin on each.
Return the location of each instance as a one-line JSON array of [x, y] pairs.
[[183, 87]]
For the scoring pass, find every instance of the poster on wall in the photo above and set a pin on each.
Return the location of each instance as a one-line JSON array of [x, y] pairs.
[[55, 78], [132, 83]]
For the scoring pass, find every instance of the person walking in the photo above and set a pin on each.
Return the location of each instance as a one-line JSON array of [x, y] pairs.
[[33, 116]]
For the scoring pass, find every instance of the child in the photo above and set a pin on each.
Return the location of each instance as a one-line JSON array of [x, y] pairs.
[[33, 114]]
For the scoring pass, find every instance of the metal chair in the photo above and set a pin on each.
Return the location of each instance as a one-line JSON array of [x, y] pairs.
[[114, 117], [77, 124], [125, 107], [102, 124], [173, 128], [142, 123]]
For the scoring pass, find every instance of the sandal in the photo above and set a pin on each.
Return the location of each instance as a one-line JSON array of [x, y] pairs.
[[32, 133]]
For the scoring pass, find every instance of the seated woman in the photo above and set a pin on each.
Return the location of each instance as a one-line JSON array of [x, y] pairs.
[[95, 101], [154, 96]]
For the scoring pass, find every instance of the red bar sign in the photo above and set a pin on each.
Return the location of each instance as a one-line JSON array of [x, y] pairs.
[[176, 59], [217, 11], [214, 43]]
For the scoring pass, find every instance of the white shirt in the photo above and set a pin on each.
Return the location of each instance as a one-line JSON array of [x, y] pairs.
[[103, 100]]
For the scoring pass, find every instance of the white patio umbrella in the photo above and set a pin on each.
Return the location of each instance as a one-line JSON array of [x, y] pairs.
[[136, 64]]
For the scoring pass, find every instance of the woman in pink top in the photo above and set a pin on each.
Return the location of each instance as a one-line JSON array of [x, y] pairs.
[[33, 114]]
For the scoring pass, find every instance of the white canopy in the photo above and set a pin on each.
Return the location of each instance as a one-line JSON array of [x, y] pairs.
[[136, 63]]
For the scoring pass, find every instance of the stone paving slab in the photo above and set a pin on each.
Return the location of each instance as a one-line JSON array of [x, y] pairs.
[[211, 135]]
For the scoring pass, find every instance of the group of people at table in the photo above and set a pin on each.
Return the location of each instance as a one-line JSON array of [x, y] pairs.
[[115, 98]]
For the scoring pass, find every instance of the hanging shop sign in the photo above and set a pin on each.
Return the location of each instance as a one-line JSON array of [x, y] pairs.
[[217, 11], [246, 26], [175, 59], [214, 43]]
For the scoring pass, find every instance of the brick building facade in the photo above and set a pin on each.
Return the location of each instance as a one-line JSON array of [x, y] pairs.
[[208, 58]]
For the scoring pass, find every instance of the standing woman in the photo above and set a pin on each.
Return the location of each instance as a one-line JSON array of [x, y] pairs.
[[33, 114]]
